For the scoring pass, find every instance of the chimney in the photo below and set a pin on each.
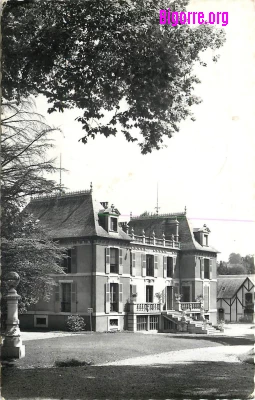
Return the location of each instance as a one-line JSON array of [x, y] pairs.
[[104, 204]]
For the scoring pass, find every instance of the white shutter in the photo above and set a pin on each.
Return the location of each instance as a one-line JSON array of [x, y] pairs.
[[134, 289], [164, 267], [143, 259], [107, 298], [174, 265], [155, 266], [133, 264], [206, 298], [210, 266], [202, 268], [57, 297], [120, 261], [107, 260], [73, 298], [120, 297]]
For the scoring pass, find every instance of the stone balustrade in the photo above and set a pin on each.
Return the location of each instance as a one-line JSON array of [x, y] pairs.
[[193, 306], [145, 308]]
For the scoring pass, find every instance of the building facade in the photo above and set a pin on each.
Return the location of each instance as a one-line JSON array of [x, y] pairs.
[[235, 298], [143, 275]]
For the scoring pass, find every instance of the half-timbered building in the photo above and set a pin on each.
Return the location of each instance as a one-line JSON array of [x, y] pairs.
[[235, 298]]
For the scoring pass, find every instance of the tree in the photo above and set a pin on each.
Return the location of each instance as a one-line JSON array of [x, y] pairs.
[[235, 258], [111, 59], [248, 262], [222, 268], [26, 248]]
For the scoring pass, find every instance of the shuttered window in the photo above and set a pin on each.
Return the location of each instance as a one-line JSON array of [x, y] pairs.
[[113, 297], [210, 266], [155, 266], [143, 261], [165, 267], [107, 260], [133, 291], [132, 266], [120, 261], [149, 265], [170, 267], [107, 298], [120, 297], [73, 297], [74, 260], [206, 269]]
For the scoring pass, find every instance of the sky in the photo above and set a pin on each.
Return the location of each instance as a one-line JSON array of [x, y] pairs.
[[208, 166]]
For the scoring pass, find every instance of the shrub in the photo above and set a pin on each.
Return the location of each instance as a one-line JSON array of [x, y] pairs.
[[221, 325], [76, 323], [71, 363]]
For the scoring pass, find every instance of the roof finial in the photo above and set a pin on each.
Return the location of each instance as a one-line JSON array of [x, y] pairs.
[[131, 215], [91, 187], [185, 210]]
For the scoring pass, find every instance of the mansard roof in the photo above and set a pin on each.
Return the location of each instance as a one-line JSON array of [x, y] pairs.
[[165, 223], [228, 285], [71, 215]]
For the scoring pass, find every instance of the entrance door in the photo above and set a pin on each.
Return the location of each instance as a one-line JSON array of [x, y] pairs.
[[169, 297], [185, 294]]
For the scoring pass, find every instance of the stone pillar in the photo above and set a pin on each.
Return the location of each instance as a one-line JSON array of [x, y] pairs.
[[12, 346]]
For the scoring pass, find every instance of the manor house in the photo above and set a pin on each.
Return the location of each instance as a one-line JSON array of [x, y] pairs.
[[151, 273]]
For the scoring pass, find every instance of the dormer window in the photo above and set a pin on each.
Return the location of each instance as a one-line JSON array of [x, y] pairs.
[[113, 224], [205, 240]]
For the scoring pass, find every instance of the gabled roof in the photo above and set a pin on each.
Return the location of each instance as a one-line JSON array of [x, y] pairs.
[[165, 223], [71, 215], [228, 285]]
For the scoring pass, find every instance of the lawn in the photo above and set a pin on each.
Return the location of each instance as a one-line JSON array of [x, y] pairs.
[[98, 348], [36, 378]]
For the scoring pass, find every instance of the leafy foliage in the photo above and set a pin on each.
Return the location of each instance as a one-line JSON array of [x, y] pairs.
[[237, 265], [26, 249], [75, 323], [109, 56]]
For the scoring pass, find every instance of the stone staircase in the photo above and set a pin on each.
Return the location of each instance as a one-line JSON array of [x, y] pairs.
[[191, 325]]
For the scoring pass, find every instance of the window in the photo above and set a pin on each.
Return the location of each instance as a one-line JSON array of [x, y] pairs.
[[248, 299], [205, 240], [113, 324], [41, 321], [206, 268], [114, 224], [67, 262], [114, 260], [170, 270], [149, 294], [141, 323], [185, 294], [149, 265], [153, 322], [66, 297], [114, 297]]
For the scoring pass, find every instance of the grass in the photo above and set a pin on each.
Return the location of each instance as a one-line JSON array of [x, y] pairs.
[[44, 372], [99, 348]]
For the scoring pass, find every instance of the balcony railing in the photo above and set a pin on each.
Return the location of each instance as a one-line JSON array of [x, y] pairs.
[[156, 242], [145, 307], [193, 306]]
